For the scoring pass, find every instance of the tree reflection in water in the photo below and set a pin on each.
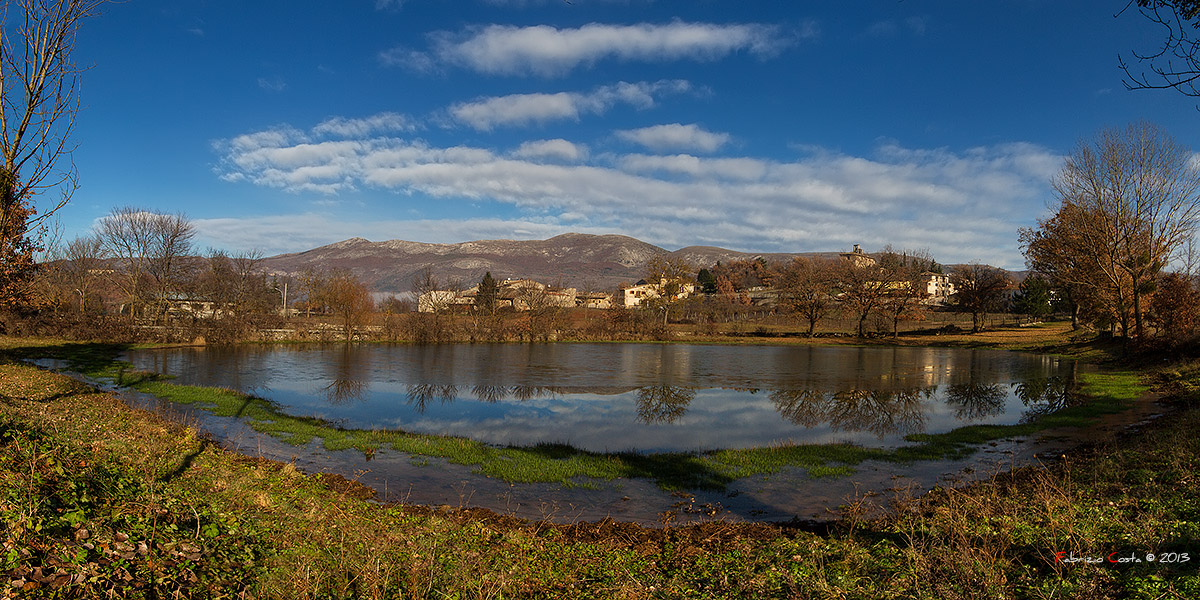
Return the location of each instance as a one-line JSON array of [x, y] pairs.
[[419, 394], [974, 401], [527, 392], [804, 407], [344, 391], [348, 377], [1046, 395], [490, 393], [881, 412], [495, 393], [663, 403]]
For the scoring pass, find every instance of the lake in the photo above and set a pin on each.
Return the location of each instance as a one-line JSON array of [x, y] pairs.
[[646, 398], [634, 397]]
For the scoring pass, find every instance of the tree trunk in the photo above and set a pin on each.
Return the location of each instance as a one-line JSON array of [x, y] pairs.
[[1137, 313]]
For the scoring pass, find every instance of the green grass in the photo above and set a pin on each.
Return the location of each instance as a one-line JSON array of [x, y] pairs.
[[1105, 393]]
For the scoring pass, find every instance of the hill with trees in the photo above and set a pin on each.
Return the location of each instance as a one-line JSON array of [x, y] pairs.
[[583, 261]]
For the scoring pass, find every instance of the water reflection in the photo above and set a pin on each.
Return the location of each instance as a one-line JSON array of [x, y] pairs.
[[974, 401], [529, 392], [348, 376], [882, 412], [490, 393], [1046, 395], [608, 397], [663, 403], [420, 394]]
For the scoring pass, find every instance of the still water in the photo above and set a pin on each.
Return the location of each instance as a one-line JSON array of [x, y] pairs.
[[639, 397]]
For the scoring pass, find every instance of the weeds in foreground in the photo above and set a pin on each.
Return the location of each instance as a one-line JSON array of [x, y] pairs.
[[82, 527]]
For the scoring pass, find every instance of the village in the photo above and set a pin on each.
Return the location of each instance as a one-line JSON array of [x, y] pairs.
[[931, 288]]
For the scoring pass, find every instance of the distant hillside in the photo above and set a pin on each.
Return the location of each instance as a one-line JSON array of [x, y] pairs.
[[707, 256], [598, 262]]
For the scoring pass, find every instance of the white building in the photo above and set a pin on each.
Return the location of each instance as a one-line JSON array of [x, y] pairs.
[[635, 295], [937, 287]]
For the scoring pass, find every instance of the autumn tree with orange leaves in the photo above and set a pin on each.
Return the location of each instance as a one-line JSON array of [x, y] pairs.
[[1129, 199], [17, 266]]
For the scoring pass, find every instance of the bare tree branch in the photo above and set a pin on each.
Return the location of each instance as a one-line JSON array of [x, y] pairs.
[[1176, 63], [39, 100]]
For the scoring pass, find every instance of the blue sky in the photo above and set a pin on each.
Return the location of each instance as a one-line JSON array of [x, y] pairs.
[[756, 125]]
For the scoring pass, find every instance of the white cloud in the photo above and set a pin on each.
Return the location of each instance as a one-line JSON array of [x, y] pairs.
[[272, 84], [271, 138], [556, 149], [524, 109], [517, 109], [549, 51], [675, 137], [747, 169], [413, 60], [962, 205], [913, 25], [387, 122]]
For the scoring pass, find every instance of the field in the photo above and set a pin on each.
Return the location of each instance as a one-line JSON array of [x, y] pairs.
[[99, 499]]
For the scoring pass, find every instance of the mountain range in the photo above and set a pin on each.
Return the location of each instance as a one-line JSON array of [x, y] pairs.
[[583, 261]]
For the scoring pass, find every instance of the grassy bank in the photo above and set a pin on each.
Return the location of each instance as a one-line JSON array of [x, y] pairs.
[[97, 499]]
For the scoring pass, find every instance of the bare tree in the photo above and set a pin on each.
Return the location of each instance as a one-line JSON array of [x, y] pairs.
[[1176, 62], [149, 250], [251, 290], [1129, 199], [235, 283], [905, 300], [433, 299], [349, 299], [979, 289], [862, 289], [807, 287], [542, 305], [127, 235], [39, 88], [432, 295], [672, 278], [167, 264], [312, 284], [83, 260]]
